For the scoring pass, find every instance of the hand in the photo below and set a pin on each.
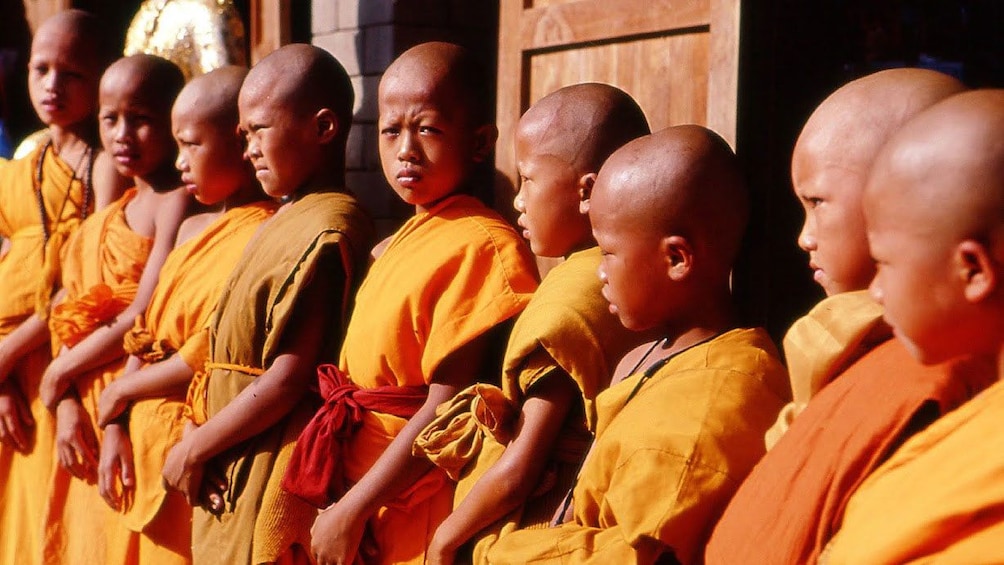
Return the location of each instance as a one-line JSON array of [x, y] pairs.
[[336, 535], [116, 473], [214, 485], [15, 418], [182, 472], [54, 384], [112, 404], [76, 442], [439, 554]]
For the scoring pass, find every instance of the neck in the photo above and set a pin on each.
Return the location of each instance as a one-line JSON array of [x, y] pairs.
[[715, 316], [68, 141], [245, 195], [163, 179]]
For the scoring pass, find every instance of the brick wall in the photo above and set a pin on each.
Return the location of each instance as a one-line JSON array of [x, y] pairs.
[[366, 35]]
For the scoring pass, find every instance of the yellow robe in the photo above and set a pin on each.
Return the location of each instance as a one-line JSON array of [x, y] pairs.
[[938, 499], [666, 460], [26, 274], [190, 284], [566, 326], [824, 342], [448, 275], [325, 230], [102, 264]]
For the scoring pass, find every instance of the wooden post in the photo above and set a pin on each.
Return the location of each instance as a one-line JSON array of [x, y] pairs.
[[270, 27]]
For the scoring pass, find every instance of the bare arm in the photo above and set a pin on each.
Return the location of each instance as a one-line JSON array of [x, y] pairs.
[[29, 336], [169, 377], [509, 482], [104, 344], [338, 530]]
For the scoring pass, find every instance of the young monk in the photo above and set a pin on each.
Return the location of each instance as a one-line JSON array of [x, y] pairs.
[[281, 313], [167, 344], [934, 209], [674, 440], [109, 269], [43, 197], [422, 322], [877, 395], [563, 347]]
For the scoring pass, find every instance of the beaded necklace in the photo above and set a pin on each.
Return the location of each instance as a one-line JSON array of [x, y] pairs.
[[88, 156]]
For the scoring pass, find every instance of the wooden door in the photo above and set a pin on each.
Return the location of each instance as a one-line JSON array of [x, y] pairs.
[[678, 58]]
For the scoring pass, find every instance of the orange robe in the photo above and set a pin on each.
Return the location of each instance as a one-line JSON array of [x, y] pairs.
[[448, 276], [793, 502], [190, 284], [670, 451], [26, 273], [824, 342], [938, 499], [102, 264], [567, 326], [325, 230]]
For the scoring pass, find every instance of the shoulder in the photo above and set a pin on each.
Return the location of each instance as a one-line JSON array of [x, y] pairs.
[[106, 181]]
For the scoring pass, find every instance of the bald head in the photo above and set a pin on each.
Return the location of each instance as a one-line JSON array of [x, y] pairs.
[[583, 124], [83, 35], [212, 97], [303, 79], [945, 169], [851, 125], [440, 70], [144, 79], [683, 180]]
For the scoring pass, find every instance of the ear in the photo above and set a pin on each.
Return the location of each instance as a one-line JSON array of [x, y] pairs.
[[976, 270], [484, 142], [327, 125], [586, 183], [678, 255]]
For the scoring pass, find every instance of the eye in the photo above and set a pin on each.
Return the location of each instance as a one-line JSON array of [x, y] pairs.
[[813, 202], [429, 130], [390, 131]]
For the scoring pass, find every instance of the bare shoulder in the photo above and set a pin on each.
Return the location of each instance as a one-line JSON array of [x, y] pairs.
[[194, 225], [106, 181], [379, 248]]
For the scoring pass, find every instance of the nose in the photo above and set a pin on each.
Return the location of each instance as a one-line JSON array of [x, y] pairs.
[[519, 202], [251, 150], [602, 274], [407, 150], [807, 237], [122, 131], [181, 163]]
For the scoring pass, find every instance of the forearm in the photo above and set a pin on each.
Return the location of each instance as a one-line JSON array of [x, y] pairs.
[[29, 336], [169, 377], [101, 347]]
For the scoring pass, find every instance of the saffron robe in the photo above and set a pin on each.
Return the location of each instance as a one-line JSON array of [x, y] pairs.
[[567, 326], [824, 342], [324, 230], [792, 503], [190, 283], [102, 264], [939, 498], [667, 460], [448, 276], [27, 272]]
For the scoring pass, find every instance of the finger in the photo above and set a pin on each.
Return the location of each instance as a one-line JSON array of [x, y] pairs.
[[8, 432], [106, 485], [17, 433], [128, 472]]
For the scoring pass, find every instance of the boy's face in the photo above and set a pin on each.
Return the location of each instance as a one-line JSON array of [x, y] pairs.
[[62, 78], [913, 280], [548, 200], [834, 231], [135, 126], [209, 156], [632, 267], [278, 141], [427, 144]]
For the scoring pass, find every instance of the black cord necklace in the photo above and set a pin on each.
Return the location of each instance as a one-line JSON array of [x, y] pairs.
[[85, 178]]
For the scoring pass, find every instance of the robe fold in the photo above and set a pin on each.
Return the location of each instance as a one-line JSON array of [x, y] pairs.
[[448, 276], [28, 273], [566, 326], [190, 283], [320, 231], [938, 499], [824, 342], [670, 451], [103, 254], [792, 503]]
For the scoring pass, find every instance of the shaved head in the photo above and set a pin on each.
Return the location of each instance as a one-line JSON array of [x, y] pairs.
[[683, 180], [82, 32], [147, 79], [583, 124], [851, 125], [303, 79], [212, 97], [438, 69]]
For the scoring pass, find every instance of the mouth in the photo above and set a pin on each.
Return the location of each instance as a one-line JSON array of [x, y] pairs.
[[51, 104], [189, 185], [125, 156], [408, 177]]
